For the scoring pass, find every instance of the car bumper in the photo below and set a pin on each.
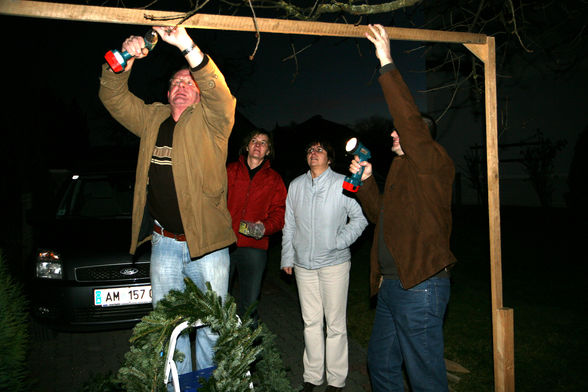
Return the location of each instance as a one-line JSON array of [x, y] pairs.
[[68, 307]]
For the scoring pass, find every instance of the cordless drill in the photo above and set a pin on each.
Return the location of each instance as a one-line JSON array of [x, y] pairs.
[[354, 147], [118, 61]]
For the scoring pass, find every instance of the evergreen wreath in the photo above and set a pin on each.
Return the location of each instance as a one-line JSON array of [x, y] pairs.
[[239, 348]]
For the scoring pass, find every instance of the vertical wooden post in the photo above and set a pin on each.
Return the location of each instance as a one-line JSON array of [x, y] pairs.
[[504, 350], [502, 318]]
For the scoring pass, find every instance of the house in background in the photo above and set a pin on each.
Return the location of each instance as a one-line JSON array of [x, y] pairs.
[[539, 112]]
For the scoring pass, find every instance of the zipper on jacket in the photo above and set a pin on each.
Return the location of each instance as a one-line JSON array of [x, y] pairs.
[[312, 221]]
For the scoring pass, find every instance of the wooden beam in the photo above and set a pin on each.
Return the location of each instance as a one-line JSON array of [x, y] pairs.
[[504, 379], [479, 50], [87, 13], [502, 319], [492, 166]]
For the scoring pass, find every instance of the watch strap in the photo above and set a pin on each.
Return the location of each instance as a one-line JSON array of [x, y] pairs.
[[186, 51]]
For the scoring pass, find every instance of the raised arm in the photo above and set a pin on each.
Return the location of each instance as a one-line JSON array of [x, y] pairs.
[[415, 138], [129, 110], [381, 42], [178, 37]]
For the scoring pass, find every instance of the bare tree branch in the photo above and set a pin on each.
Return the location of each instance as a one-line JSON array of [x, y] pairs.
[[257, 34], [515, 29]]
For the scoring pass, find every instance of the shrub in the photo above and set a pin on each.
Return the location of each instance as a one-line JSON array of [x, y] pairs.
[[14, 335]]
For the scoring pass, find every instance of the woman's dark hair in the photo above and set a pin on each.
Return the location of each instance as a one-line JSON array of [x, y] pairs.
[[326, 146], [251, 135]]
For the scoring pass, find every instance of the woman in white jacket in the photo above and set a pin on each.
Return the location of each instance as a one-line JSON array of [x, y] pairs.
[[320, 224]]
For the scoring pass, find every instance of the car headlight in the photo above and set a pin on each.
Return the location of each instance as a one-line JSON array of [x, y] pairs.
[[48, 265]]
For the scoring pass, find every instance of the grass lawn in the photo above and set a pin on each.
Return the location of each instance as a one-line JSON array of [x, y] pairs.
[[542, 281]]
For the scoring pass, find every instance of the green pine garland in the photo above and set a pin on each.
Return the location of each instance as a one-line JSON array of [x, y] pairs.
[[235, 351]]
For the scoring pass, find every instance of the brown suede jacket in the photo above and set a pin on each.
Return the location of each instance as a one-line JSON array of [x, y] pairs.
[[199, 153], [416, 201]]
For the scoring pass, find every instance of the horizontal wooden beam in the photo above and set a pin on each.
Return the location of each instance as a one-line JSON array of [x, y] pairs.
[[88, 13]]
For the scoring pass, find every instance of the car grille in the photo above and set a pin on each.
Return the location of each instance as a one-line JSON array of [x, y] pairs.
[[111, 313], [112, 272]]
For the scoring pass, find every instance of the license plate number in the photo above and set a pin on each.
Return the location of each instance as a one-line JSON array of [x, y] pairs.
[[122, 296]]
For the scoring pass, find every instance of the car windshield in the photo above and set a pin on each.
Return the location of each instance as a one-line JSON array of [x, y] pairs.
[[98, 196]]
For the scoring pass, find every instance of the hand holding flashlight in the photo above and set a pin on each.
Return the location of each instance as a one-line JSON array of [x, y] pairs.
[[361, 154], [356, 165]]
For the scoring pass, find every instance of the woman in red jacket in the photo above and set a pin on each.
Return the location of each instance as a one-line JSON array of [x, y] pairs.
[[256, 201]]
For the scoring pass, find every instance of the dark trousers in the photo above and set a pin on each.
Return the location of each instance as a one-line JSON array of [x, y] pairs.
[[408, 328], [249, 265]]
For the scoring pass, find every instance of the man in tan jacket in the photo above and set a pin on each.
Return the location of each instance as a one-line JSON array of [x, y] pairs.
[[181, 186]]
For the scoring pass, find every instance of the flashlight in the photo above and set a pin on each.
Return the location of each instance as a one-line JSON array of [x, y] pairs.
[[118, 61], [354, 147]]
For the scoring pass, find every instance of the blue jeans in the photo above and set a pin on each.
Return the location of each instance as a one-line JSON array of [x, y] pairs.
[[170, 264], [408, 327], [249, 264]]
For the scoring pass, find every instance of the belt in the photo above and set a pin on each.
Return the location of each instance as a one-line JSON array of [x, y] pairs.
[[165, 233]]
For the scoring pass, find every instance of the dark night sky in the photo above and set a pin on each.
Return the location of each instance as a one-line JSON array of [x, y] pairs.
[[48, 64], [336, 77]]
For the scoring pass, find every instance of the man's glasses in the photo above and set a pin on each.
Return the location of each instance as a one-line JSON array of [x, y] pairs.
[[179, 82]]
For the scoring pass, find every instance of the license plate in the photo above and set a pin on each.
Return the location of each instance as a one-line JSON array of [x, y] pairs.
[[122, 296]]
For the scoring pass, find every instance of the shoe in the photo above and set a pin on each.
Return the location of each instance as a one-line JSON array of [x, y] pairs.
[[308, 387], [331, 388]]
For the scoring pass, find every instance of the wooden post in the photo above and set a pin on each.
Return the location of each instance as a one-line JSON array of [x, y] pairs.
[[502, 318], [504, 379]]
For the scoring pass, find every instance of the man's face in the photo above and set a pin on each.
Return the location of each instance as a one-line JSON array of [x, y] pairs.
[[396, 143], [183, 90], [258, 147], [316, 157]]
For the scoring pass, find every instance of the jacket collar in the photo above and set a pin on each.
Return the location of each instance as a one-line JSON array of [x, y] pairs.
[[320, 179], [264, 165]]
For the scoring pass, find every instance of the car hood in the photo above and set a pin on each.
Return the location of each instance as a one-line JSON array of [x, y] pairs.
[[86, 242]]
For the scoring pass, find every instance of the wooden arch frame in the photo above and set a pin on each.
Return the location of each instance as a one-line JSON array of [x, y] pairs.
[[480, 45]]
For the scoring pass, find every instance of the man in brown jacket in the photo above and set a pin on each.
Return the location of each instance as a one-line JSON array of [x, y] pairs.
[[410, 253], [181, 180]]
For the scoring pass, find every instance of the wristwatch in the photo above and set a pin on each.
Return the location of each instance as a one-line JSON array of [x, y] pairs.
[[186, 51]]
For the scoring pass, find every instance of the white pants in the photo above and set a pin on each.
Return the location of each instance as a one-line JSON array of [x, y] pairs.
[[323, 294]]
